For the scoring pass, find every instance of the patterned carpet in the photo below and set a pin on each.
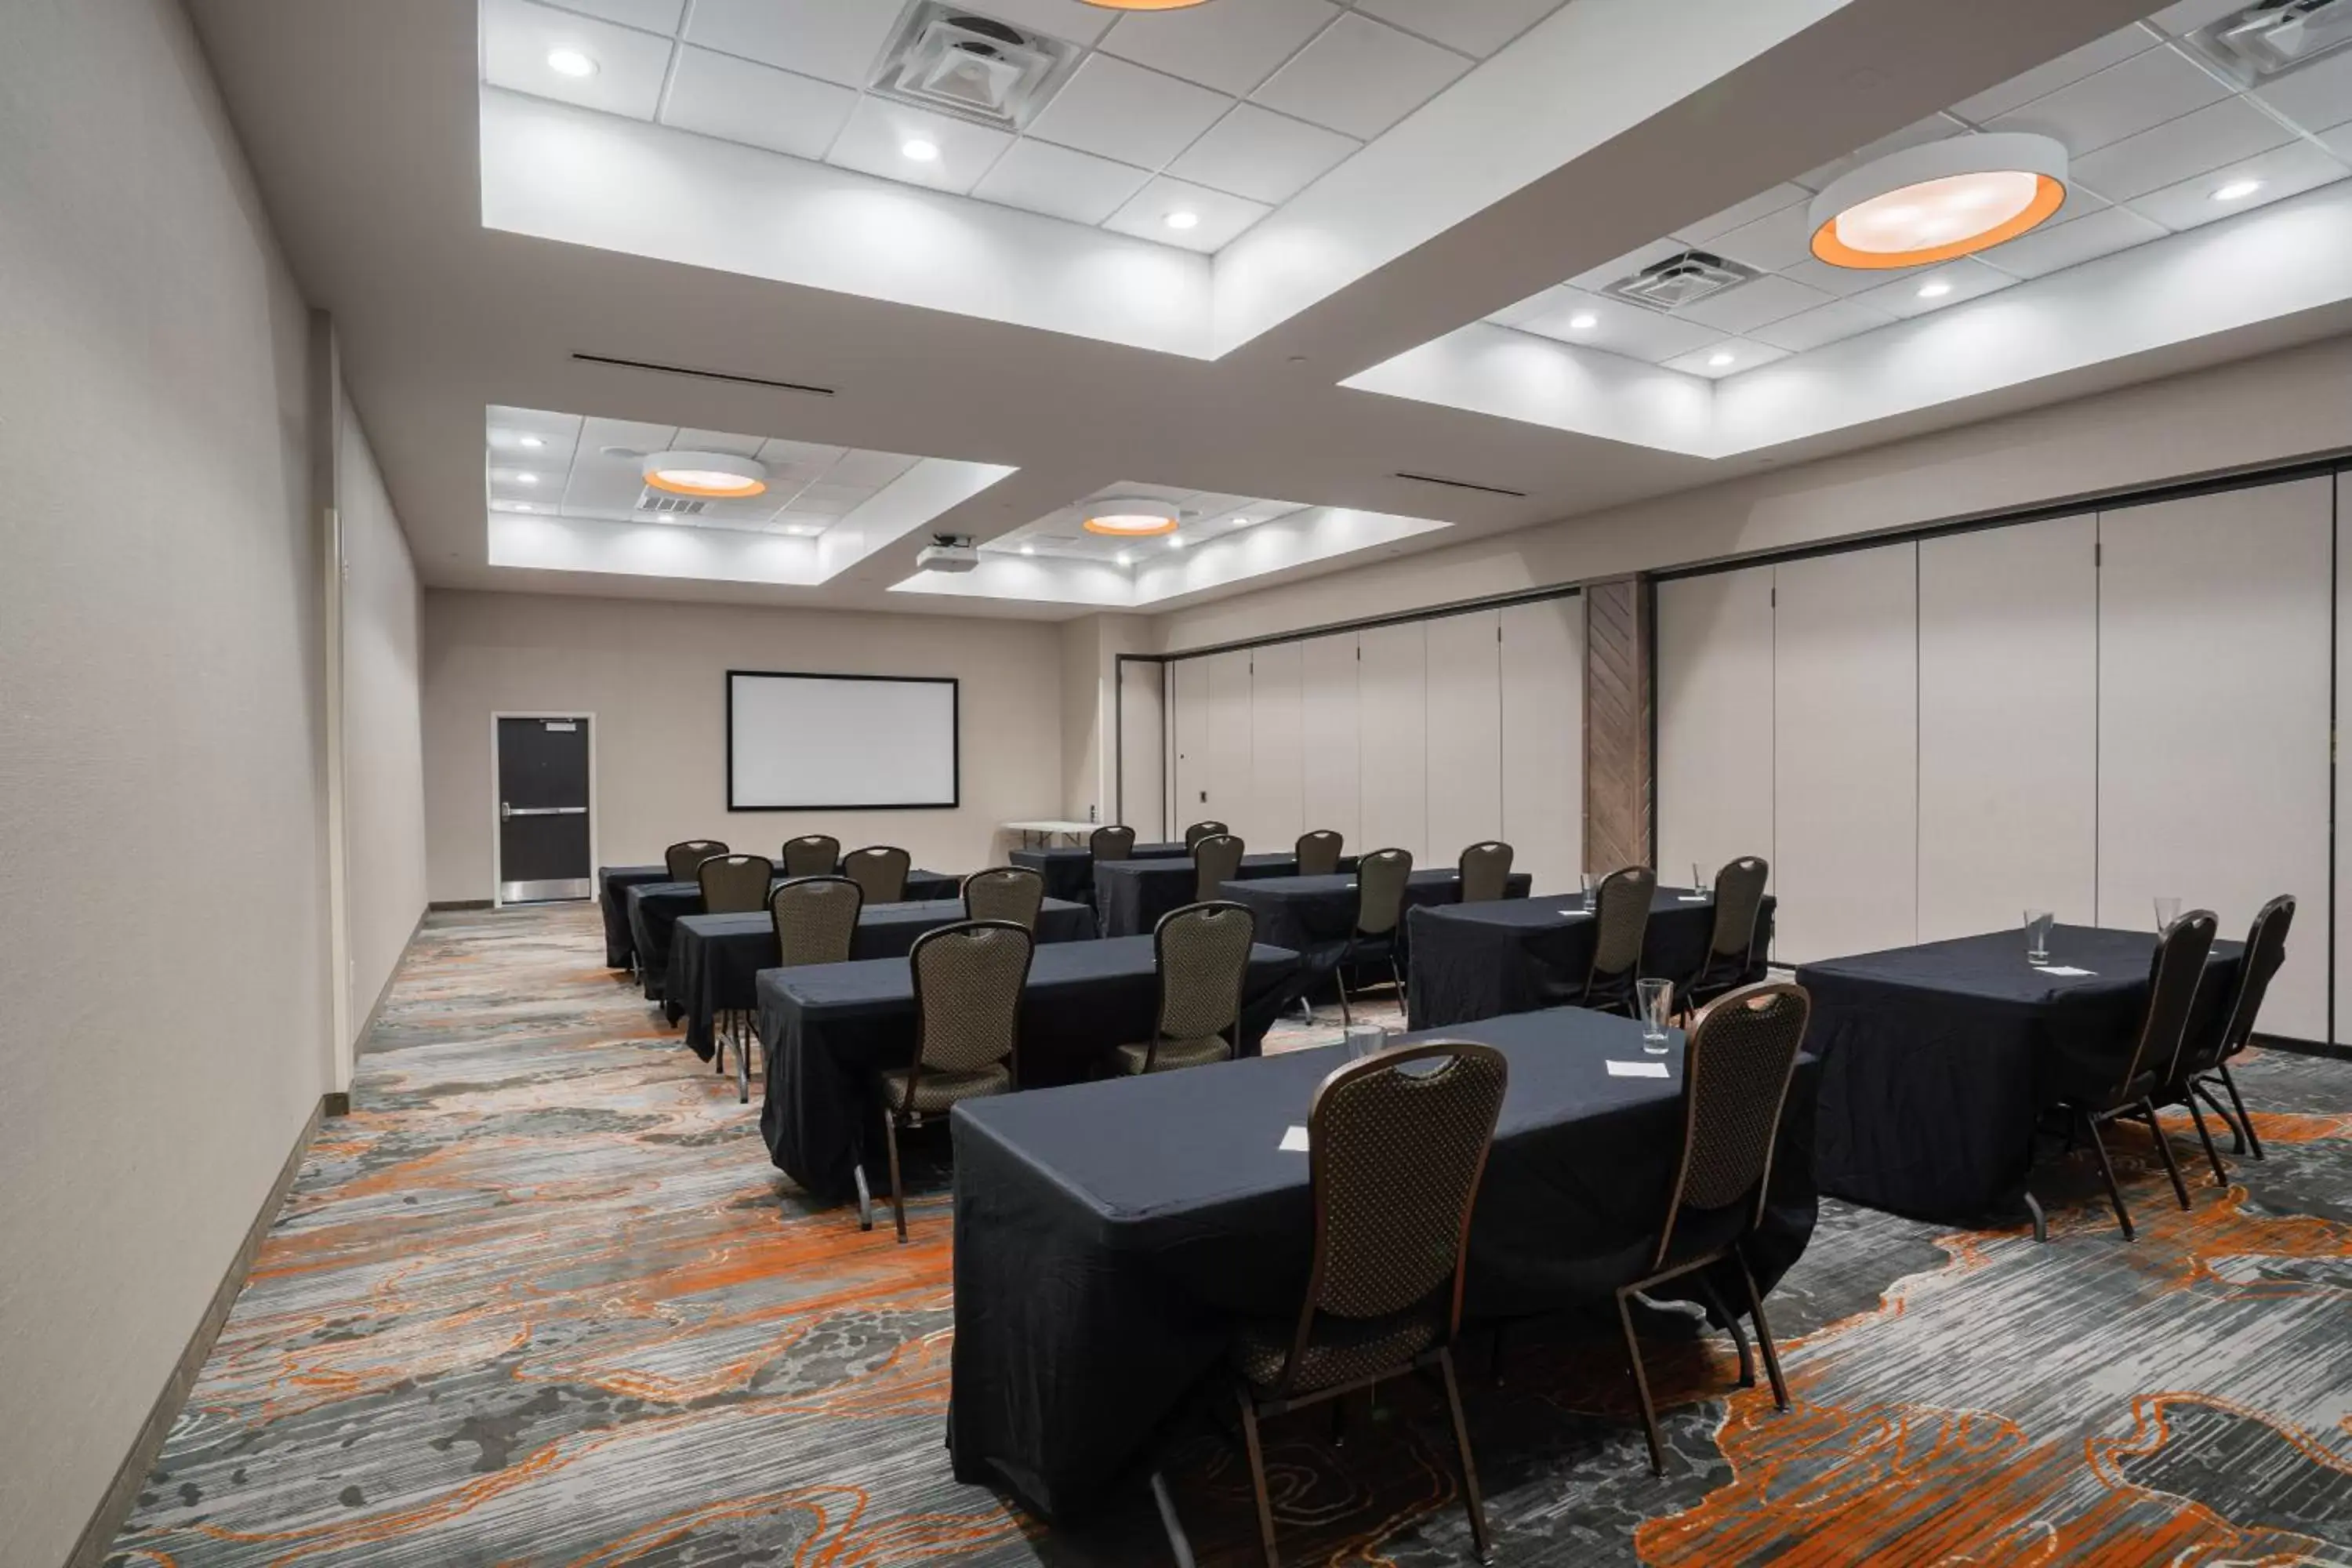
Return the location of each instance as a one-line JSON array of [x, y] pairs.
[[542, 1299]]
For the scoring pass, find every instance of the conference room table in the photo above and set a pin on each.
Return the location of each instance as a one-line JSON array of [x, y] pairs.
[[715, 960], [1133, 895], [613, 885], [655, 907], [830, 1028], [1484, 960], [1110, 1237], [1936, 1060], [1316, 915], [1069, 872]]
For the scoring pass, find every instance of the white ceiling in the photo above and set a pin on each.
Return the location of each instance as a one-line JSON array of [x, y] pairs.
[[1204, 519]]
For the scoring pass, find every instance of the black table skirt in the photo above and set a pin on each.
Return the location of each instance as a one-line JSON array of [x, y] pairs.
[[1314, 915], [1070, 873], [715, 960], [1110, 1237], [1485, 961], [828, 1028], [1133, 895], [613, 885], [655, 907], [1937, 1060]]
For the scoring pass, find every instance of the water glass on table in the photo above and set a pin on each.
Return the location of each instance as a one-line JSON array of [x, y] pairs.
[[2037, 936], [1592, 890], [1698, 893], [1364, 1040], [2167, 911], [1657, 1005]]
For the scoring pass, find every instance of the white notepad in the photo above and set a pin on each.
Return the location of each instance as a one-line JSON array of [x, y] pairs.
[[1294, 1141], [1638, 1069], [2065, 970]]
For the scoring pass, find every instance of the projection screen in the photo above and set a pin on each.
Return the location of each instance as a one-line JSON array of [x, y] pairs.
[[827, 742]]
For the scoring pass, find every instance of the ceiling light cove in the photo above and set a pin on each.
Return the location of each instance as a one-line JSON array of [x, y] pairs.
[[1145, 4], [573, 63], [1130, 517], [1935, 202], [718, 475]]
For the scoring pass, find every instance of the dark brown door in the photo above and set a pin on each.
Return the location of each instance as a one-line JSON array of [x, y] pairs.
[[543, 810]]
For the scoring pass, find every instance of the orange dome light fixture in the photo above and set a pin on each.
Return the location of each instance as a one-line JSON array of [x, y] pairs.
[[1130, 517], [713, 476], [1145, 4], [1946, 199]]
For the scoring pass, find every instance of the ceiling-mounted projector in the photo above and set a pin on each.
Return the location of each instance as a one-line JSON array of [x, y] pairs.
[[947, 553]]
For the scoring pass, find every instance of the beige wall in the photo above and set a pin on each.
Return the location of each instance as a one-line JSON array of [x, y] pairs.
[[161, 651], [653, 675]]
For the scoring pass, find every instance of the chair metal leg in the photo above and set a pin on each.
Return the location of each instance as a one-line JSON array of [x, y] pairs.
[[2203, 1091], [1257, 1477], [2212, 1155], [1397, 974], [1339, 979], [898, 1191], [1731, 1322], [1470, 1498], [864, 1199], [1179, 1545], [1763, 1331], [742, 1061], [2253, 1140], [1640, 1384], [2108, 1171], [2164, 1147]]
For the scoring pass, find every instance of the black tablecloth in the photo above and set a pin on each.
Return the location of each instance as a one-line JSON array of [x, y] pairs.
[[655, 907], [613, 885], [1109, 1236], [1070, 873], [1314, 915], [1936, 1060], [715, 959], [1131, 895], [827, 1027], [1483, 961]]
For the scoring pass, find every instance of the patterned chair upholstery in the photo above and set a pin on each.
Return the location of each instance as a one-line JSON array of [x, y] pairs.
[[1111, 843], [682, 858], [815, 919], [1624, 922], [812, 855], [1200, 830], [2205, 1062], [1382, 877], [735, 884], [1486, 872], [880, 871], [1216, 860], [1319, 852], [1011, 893], [1731, 947], [1201, 953]]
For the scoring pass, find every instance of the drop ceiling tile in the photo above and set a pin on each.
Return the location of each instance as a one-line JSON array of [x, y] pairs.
[[830, 501], [629, 435], [778, 453], [1071, 20], [2339, 142], [838, 40], [740, 101], [509, 431], [1055, 181], [874, 142], [2218, 134], [804, 524], [2122, 101], [2055, 247], [1744, 353], [1625, 266], [1742, 213], [518, 37], [1751, 305], [1223, 218], [2190, 15], [1823, 324], [1229, 47], [718, 441], [869, 471], [2068, 68], [1118, 109], [1474, 26], [1534, 305], [645, 16], [1782, 239], [1934, 128], [1967, 279], [1359, 77], [1263, 156], [2284, 171], [1617, 326], [1842, 281], [2318, 96]]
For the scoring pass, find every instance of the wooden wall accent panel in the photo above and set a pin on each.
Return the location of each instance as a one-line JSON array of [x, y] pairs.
[[1617, 697]]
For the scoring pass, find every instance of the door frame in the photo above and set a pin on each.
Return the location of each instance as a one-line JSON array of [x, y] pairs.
[[589, 714]]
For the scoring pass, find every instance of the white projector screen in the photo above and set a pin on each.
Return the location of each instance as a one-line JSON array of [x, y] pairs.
[[827, 742]]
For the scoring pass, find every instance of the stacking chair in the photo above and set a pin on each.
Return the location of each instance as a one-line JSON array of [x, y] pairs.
[[816, 922], [2205, 1061], [1111, 843], [681, 859], [968, 984], [1200, 830], [1011, 893], [1621, 924], [1201, 953], [1381, 879], [733, 885], [1319, 853], [1737, 1065], [2092, 1095], [879, 871], [1485, 871], [1394, 1160], [812, 855], [1216, 859], [1731, 948]]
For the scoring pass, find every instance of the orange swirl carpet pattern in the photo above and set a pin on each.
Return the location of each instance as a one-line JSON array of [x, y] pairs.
[[541, 1299]]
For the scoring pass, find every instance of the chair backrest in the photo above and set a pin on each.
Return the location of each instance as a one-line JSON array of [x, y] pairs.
[[1738, 903], [816, 919], [2174, 973], [735, 884], [682, 858], [1200, 830], [2265, 950], [1218, 859], [880, 871], [1485, 871], [1737, 1065], [1201, 953], [1011, 893], [813, 855], [967, 982], [1112, 843], [1381, 879], [1318, 852], [1621, 921]]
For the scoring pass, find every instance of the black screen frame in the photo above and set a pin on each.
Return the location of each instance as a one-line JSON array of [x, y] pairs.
[[955, 738]]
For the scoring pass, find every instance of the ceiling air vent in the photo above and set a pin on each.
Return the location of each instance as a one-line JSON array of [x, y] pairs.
[[974, 66], [1678, 281], [667, 505], [2275, 36]]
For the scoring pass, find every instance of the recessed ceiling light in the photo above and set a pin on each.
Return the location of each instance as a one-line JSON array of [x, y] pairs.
[[1935, 289], [919, 150], [2237, 190], [1144, 5], [571, 63], [721, 476], [1935, 202], [533, 442], [1175, 541], [526, 479], [1028, 550], [1719, 360], [1130, 517], [1125, 559], [1184, 218], [1583, 321]]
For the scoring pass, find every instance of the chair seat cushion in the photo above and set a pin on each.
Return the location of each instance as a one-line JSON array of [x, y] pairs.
[[938, 1091], [1175, 1054], [1342, 1351]]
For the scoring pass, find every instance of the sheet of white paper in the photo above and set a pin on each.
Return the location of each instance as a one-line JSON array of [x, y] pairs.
[[2065, 970], [1572, 910], [1638, 1069], [1295, 1141]]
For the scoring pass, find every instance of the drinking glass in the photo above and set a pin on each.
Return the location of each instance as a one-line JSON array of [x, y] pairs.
[[1698, 895], [2167, 911], [1592, 890], [1657, 999], [2037, 936], [1364, 1040]]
